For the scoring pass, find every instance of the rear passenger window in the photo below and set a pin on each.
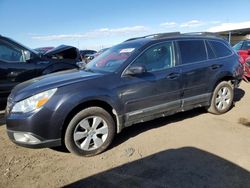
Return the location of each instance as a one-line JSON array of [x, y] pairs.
[[192, 51], [220, 49]]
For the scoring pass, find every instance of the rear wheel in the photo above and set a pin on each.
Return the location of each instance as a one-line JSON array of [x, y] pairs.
[[90, 132], [222, 98]]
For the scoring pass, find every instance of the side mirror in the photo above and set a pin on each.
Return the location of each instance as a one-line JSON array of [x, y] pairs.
[[135, 70], [27, 55]]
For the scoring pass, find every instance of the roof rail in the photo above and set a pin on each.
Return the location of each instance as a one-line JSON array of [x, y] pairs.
[[172, 34], [156, 36]]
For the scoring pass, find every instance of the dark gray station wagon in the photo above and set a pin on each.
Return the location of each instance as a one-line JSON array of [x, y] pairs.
[[138, 80]]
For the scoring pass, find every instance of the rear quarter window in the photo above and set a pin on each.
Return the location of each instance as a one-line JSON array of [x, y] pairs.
[[220, 49], [192, 51]]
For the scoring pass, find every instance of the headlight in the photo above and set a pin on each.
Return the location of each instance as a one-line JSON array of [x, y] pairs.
[[34, 102]]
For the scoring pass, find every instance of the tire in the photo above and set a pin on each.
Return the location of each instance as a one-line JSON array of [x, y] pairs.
[[222, 98], [90, 132]]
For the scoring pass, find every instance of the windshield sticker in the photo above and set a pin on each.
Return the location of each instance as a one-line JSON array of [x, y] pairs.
[[127, 50]]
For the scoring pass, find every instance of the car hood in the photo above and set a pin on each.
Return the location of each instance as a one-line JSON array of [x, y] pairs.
[[64, 51], [50, 81]]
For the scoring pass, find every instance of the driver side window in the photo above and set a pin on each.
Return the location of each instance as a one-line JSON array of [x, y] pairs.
[[10, 54], [158, 57]]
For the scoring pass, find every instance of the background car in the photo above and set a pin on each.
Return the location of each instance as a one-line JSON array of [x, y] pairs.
[[92, 56], [86, 53], [19, 63], [243, 49], [43, 50], [247, 69]]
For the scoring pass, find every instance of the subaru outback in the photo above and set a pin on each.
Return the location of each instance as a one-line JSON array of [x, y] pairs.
[[138, 80]]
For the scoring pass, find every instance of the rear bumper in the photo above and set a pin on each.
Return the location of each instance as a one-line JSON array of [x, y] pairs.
[[30, 140]]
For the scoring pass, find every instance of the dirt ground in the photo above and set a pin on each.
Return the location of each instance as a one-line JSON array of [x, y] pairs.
[[190, 149]]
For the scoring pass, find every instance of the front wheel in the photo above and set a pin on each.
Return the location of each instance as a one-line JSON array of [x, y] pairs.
[[90, 132], [222, 98]]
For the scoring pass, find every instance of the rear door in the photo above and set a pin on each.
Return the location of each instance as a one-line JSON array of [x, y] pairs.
[[219, 60], [196, 74], [13, 67]]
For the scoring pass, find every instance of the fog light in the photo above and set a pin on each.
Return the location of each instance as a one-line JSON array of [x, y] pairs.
[[26, 138]]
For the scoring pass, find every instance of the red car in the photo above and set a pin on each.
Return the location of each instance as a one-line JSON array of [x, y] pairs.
[[247, 69], [243, 49]]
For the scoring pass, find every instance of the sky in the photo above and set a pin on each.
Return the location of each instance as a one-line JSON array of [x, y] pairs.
[[95, 24]]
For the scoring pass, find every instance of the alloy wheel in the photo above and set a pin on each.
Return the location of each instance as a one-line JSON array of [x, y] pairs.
[[223, 98], [90, 133]]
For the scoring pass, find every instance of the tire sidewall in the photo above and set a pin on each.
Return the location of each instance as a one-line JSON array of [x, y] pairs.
[[92, 111]]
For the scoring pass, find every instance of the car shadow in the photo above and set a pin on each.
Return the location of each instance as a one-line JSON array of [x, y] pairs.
[[238, 94], [139, 128], [178, 168]]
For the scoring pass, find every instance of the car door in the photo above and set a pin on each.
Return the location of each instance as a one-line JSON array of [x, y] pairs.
[[14, 68], [195, 68], [156, 91]]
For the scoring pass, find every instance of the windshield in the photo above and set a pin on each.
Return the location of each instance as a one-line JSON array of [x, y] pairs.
[[113, 58]]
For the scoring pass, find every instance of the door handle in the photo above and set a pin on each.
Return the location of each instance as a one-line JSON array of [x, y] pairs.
[[12, 74], [173, 76], [215, 66]]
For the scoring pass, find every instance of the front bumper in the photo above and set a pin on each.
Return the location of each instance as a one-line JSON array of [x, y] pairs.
[[30, 140], [38, 129]]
